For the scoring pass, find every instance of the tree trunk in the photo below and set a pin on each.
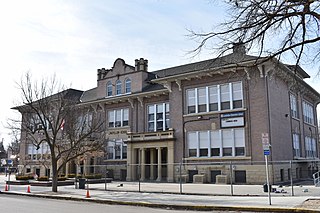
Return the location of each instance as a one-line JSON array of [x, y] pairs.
[[54, 175]]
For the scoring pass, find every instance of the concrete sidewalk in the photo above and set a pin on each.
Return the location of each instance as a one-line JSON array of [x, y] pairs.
[[169, 197]]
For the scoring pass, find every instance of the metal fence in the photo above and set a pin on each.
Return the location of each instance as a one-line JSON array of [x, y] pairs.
[[287, 178]]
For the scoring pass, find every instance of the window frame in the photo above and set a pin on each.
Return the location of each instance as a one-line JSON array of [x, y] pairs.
[[154, 118], [217, 146], [112, 150], [228, 96], [127, 86], [118, 87], [308, 112], [118, 122], [109, 89]]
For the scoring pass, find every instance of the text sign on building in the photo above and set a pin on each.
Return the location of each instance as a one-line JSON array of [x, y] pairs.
[[234, 119], [265, 143]]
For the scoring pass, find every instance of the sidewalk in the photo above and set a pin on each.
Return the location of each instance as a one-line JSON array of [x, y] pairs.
[[169, 197]]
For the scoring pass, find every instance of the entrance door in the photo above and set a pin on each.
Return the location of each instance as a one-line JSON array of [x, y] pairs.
[[38, 172], [214, 174], [240, 176]]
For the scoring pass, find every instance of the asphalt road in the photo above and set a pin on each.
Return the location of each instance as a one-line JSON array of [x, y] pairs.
[[14, 203]]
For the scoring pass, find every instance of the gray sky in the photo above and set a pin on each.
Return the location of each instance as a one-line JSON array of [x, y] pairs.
[[73, 38]]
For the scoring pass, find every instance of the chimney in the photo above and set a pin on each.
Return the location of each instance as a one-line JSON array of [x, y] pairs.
[[141, 65], [239, 48]]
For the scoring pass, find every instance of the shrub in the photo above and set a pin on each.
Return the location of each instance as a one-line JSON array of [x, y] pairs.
[[43, 178], [22, 177], [25, 177], [71, 175], [93, 176], [62, 178]]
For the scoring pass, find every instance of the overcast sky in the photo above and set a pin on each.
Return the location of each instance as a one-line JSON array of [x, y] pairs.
[[73, 38]]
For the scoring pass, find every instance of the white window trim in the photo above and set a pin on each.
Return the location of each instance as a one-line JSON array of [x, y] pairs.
[[230, 86], [221, 143], [164, 118]]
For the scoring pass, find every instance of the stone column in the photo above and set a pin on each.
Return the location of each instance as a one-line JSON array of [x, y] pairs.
[[152, 152], [67, 168], [159, 164], [143, 164], [130, 167], [170, 165]]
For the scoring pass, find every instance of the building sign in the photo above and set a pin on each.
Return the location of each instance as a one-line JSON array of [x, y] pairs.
[[233, 119], [117, 132]]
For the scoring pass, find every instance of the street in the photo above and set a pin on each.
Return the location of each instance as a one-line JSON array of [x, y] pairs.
[[14, 203]]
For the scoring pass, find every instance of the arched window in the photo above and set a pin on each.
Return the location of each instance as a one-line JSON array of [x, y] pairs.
[[128, 85], [118, 87], [109, 88]]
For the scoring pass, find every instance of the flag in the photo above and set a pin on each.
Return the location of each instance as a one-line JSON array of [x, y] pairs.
[[62, 124]]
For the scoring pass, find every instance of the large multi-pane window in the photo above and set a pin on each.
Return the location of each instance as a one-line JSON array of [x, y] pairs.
[[158, 117], [109, 88], [310, 146], [219, 143], [118, 87], [118, 118], [38, 153], [116, 149], [308, 113], [128, 85], [296, 145], [294, 106], [215, 98]]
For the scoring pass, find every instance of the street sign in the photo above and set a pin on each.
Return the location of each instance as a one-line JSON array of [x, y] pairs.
[[265, 143], [9, 162]]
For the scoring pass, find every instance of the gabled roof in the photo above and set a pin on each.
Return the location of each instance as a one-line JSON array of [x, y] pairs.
[[70, 94], [203, 65]]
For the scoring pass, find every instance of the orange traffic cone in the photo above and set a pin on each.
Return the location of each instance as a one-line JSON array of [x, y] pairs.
[[28, 190], [6, 188], [88, 194]]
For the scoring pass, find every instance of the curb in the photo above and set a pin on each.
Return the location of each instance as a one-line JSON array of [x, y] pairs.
[[169, 206]]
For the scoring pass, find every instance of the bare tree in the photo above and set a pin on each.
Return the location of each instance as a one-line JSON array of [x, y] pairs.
[[273, 28], [53, 122]]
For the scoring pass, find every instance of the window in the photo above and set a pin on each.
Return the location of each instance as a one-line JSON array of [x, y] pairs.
[[296, 145], [293, 106], [118, 118], [158, 117], [128, 85], [308, 113], [118, 87], [225, 96], [109, 89], [116, 149], [237, 95], [220, 143], [84, 123], [227, 142], [215, 143], [215, 98], [191, 101], [310, 146], [38, 154], [204, 144], [193, 144], [202, 100], [239, 142]]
